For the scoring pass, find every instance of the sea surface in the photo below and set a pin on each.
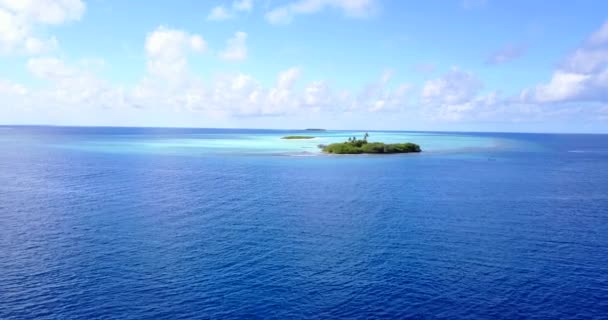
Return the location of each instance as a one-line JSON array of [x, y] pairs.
[[134, 223]]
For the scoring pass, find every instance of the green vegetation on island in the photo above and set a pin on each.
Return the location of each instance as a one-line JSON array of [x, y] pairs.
[[315, 129], [297, 137], [355, 146]]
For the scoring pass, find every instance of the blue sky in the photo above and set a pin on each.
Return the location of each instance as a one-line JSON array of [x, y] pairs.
[[467, 65]]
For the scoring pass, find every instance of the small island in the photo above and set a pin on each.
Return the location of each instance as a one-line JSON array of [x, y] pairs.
[[359, 146], [315, 129], [297, 137]]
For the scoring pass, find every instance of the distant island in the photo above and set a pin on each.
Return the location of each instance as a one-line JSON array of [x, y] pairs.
[[315, 129], [297, 137], [359, 146]]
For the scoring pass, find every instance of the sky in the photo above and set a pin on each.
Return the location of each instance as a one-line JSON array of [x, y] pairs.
[[440, 65]]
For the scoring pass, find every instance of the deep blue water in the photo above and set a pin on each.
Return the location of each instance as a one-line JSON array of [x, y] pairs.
[[92, 229]]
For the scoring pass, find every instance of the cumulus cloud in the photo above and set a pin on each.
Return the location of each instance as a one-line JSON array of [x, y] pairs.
[[243, 95], [8, 88], [506, 54], [46, 11], [74, 88], [35, 46], [227, 94], [318, 96], [221, 13], [19, 19], [379, 96], [50, 69], [168, 87], [236, 48], [582, 76], [457, 96], [71, 86], [452, 95], [562, 86], [167, 50], [454, 87], [14, 100], [351, 8], [592, 56]]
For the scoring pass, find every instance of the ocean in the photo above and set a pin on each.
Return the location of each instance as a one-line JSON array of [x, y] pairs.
[[152, 223]]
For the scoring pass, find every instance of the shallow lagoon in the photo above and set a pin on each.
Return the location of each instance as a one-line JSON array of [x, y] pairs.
[[270, 142]]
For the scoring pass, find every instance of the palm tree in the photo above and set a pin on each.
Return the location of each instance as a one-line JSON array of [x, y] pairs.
[[366, 136]]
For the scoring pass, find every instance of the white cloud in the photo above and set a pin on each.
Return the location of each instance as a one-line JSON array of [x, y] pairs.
[[8, 88], [242, 95], [167, 51], [592, 56], [219, 13], [280, 15], [287, 78], [169, 88], [562, 86], [71, 87], [351, 8], [74, 91], [600, 36], [454, 87], [50, 69], [227, 95], [317, 96], [586, 60], [236, 48], [282, 96], [583, 76], [19, 19], [35, 46], [378, 96], [453, 95], [46, 11], [198, 44]]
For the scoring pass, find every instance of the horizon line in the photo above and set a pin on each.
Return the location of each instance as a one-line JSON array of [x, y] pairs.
[[297, 129]]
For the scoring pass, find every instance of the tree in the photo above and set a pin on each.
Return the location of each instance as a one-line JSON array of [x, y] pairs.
[[366, 136]]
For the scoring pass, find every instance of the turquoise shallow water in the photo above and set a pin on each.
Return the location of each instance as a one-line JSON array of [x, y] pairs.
[[270, 142], [128, 223]]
